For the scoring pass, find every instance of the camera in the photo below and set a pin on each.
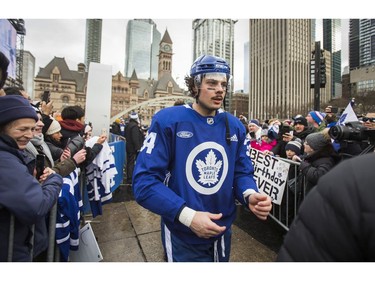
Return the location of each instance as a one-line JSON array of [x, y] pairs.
[[352, 131]]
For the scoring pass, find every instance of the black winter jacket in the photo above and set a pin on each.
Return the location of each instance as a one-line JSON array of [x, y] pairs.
[[336, 221], [134, 137]]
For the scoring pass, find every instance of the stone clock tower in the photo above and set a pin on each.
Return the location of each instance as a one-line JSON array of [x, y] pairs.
[[165, 55]]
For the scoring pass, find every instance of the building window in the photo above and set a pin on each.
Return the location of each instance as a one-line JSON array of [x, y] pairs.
[[55, 78], [65, 100]]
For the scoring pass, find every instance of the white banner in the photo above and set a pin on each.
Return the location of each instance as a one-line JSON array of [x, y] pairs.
[[270, 174], [98, 97], [347, 116]]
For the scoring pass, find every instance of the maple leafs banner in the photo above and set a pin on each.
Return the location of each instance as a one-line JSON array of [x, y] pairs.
[[270, 174]]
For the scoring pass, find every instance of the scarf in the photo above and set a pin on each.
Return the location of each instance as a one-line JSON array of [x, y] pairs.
[[71, 125], [38, 142]]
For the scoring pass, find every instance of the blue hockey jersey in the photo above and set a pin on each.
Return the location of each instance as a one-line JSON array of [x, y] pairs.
[[205, 173]]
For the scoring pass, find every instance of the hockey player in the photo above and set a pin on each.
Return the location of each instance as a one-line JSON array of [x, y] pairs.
[[193, 165]]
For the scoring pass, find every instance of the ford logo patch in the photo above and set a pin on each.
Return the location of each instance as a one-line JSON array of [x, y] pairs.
[[185, 134]]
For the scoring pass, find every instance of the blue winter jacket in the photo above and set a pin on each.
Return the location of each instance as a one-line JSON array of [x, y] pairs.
[[24, 197]]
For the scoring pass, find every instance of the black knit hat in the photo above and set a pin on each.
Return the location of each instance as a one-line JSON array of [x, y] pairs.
[[299, 119], [15, 107]]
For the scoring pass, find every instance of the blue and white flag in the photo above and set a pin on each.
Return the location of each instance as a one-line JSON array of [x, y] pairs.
[[347, 116]]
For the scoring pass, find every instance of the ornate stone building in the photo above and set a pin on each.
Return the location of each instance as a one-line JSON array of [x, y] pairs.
[[69, 87]]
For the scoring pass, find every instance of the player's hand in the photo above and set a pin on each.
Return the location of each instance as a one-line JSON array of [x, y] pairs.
[[260, 205], [203, 226]]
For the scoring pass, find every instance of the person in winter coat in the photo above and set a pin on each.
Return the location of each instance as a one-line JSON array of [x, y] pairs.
[[22, 196], [134, 139], [301, 129], [72, 130], [63, 165], [319, 158], [335, 223], [278, 131], [265, 143], [115, 127], [255, 130]]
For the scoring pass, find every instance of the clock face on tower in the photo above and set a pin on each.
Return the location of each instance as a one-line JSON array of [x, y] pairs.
[[167, 48]]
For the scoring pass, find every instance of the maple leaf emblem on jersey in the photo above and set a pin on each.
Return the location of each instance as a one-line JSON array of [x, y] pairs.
[[209, 170]]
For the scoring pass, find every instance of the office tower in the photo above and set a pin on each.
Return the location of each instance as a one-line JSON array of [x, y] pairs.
[[353, 43], [28, 73], [280, 52], [362, 43], [332, 43], [215, 37], [362, 62], [93, 42], [142, 49], [367, 42]]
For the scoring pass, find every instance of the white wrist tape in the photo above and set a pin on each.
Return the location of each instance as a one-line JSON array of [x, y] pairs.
[[186, 216], [247, 193]]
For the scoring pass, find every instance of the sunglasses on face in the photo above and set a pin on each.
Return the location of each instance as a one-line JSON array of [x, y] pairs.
[[365, 119]]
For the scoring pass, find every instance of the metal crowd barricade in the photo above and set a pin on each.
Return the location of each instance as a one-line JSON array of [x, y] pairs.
[[113, 138], [51, 237], [293, 195]]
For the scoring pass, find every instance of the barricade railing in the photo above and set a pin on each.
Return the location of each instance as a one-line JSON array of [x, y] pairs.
[[113, 138], [293, 195], [51, 237]]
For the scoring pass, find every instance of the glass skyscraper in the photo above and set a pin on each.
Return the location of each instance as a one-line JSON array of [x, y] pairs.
[[142, 49], [215, 37], [332, 43], [362, 34], [93, 43], [362, 55]]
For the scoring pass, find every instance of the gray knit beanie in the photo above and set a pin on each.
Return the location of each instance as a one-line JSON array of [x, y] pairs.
[[294, 145], [317, 141]]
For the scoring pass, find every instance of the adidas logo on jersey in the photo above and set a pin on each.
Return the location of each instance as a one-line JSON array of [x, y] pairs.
[[234, 138]]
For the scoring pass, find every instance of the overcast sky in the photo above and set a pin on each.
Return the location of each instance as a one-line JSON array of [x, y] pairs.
[[46, 38]]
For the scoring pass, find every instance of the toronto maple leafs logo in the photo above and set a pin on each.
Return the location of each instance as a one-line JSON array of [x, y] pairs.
[[207, 167], [208, 171]]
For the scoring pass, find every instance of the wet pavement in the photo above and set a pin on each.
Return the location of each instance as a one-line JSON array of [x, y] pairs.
[[127, 232]]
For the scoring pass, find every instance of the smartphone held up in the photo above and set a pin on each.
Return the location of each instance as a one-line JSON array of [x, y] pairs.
[[39, 165]]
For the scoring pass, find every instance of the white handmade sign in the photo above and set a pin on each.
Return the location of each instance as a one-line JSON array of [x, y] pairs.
[[270, 174]]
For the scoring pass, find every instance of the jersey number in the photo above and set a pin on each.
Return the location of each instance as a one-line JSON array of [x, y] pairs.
[[149, 142]]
